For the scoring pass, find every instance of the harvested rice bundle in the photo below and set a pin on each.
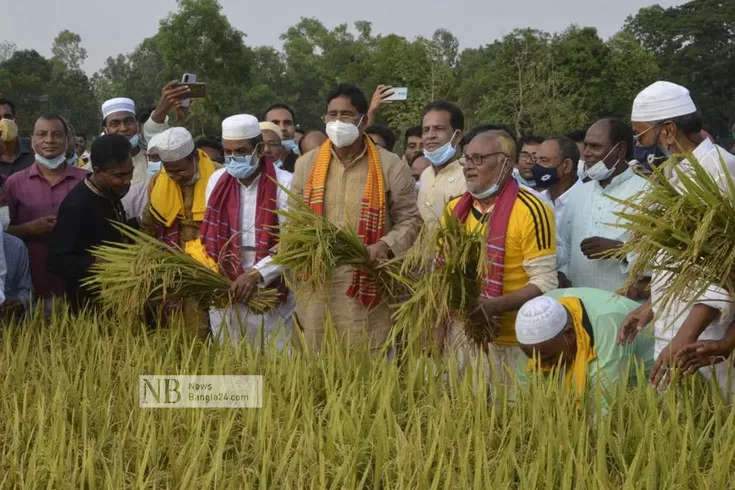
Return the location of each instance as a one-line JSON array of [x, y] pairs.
[[127, 276], [684, 229], [444, 286], [311, 248]]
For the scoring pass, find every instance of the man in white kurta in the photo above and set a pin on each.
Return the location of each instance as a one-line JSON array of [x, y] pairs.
[[587, 226], [241, 137], [665, 116]]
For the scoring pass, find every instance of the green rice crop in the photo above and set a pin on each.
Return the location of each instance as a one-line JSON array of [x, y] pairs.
[[338, 419]]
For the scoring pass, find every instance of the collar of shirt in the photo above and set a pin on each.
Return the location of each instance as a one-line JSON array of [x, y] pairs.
[[253, 184], [616, 181], [34, 171], [561, 199], [355, 160]]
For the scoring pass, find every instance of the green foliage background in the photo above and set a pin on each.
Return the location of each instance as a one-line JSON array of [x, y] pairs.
[[535, 81]]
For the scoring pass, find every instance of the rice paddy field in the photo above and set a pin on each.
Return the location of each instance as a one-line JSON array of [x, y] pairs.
[[70, 418]]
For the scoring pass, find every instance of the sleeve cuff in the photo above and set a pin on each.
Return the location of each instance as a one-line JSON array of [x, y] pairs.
[[268, 271]]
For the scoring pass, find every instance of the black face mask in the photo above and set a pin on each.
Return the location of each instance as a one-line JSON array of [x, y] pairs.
[[544, 177]]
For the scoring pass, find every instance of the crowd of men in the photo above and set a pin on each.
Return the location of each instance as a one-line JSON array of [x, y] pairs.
[[547, 206]]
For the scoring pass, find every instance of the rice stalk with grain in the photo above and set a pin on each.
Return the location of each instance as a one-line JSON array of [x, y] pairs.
[[144, 270]]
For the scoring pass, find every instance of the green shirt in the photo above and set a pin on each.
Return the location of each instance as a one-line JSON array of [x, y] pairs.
[[606, 312]]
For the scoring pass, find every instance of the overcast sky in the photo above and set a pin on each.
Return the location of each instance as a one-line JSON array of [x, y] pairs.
[[109, 28]]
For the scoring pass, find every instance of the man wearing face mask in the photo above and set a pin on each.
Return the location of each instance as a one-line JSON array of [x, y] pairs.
[[521, 245], [118, 117], [242, 201], [15, 152], [177, 201], [668, 125], [87, 215], [574, 330], [349, 181], [527, 147], [587, 227], [284, 117], [442, 127], [34, 196]]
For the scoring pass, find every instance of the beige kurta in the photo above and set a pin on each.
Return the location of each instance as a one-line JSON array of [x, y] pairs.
[[344, 189], [140, 168], [437, 187]]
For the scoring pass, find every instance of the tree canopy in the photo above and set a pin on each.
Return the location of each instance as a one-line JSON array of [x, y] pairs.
[[537, 82]]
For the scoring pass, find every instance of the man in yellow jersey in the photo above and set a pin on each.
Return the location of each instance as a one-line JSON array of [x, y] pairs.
[[521, 249]]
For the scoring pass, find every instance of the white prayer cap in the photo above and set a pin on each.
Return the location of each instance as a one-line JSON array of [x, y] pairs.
[[662, 100], [269, 126], [120, 104], [539, 320], [240, 127], [172, 145]]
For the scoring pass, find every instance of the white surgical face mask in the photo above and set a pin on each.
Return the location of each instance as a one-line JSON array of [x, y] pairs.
[[528, 183], [343, 134], [493, 189], [5, 217], [443, 154], [599, 170], [135, 140]]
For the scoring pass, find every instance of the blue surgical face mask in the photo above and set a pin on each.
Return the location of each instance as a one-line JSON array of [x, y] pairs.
[[241, 167], [72, 160], [290, 145], [153, 168], [135, 140], [443, 154], [544, 177], [528, 183], [52, 163], [278, 164]]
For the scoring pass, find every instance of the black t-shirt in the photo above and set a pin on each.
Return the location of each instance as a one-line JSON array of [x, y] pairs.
[[85, 220]]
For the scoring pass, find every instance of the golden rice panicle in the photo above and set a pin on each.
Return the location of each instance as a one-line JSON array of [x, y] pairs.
[[684, 229], [444, 273], [127, 276]]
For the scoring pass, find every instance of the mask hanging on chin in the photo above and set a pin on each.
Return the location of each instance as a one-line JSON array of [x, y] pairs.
[[599, 170], [51, 163], [490, 191], [443, 154], [519, 178]]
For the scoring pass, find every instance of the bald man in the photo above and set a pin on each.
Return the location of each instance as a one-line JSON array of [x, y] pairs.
[[521, 234]]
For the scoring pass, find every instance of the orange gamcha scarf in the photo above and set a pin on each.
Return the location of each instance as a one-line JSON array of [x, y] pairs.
[[371, 225]]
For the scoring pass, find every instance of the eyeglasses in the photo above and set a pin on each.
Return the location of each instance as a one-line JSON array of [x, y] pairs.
[[637, 137], [9, 117], [273, 145], [525, 156], [477, 160], [346, 118]]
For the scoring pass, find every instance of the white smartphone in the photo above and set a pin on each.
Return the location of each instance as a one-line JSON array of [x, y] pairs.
[[399, 93], [187, 78]]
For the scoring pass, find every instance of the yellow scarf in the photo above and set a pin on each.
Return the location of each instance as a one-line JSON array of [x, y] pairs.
[[576, 375], [167, 200]]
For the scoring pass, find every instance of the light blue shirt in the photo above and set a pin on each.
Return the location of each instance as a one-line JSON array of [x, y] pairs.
[[590, 212]]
